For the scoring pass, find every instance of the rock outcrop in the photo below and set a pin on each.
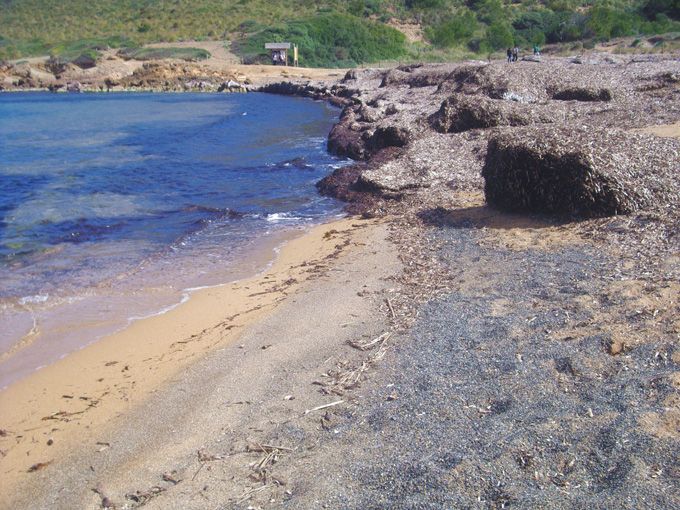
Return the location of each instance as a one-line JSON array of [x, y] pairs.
[[424, 130], [74, 87], [171, 76]]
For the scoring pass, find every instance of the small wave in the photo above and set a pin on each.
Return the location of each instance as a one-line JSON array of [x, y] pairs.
[[299, 163], [200, 225], [335, 166], [162, 311], [33, 300], [275, 217]]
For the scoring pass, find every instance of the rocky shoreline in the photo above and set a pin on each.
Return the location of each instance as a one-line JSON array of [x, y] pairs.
[[406, 123], [535, 208], [562, 137], [163, 76], [507, 335]]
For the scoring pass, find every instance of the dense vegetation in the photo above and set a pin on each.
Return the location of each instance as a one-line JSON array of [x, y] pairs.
[[328, 32], [485, 25], [330, 40]]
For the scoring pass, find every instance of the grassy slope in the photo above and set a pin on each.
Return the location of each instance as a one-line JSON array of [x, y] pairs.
[[31, 27], [144, 20]]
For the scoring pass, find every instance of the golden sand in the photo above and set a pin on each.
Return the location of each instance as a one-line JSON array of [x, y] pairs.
[[43, 414]]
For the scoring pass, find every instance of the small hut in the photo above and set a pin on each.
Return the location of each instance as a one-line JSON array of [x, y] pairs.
[[279, 53]]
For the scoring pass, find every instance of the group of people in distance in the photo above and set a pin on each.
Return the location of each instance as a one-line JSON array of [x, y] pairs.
[[513, 53], [278, 58]]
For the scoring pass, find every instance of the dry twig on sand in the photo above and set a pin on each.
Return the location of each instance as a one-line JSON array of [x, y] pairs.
[[368, 345], [250, 492], [318, 408]]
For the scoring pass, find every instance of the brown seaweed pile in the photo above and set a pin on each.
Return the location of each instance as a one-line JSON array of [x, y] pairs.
[[581, 172]]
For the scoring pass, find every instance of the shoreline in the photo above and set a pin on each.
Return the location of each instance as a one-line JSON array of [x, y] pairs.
[[168, 75], [48, 412], [510, 331], [43, 322], [264, 253]]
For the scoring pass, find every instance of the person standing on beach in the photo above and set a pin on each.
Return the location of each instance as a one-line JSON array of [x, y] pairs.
[[537, 50], [515, 54], [509, 53]]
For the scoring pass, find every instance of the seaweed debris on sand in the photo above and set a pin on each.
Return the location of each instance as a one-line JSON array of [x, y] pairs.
[[537, 359], [508, 358]]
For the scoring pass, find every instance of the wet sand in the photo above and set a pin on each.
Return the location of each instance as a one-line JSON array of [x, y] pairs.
[[72, 322], [54, 413]]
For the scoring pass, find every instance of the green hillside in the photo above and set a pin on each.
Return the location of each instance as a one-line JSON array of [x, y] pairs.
[[329, 32]]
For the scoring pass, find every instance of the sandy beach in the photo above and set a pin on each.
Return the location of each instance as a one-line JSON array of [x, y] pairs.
[[450, 349], [60, 412]]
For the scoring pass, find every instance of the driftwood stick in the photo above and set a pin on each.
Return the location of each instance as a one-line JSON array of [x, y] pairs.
[[389, 305], [274, 447], [366, 346], [249, 493], [318, 408]]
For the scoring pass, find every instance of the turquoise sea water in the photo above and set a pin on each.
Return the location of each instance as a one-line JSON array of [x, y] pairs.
[[112, 205]]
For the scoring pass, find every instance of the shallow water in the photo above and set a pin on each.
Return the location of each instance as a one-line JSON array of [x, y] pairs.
[[112, 205]]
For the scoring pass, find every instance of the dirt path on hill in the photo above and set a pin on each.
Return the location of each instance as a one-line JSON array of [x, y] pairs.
[[220, 55]]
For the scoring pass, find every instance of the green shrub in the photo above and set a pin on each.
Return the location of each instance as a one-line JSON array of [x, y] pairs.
[[540, 26], [607, 22], [669, 8], [424, 4], [479, 45], [249, 26], [455, 30], [490, 11], [499, 35], [660, 25], [365, 8]]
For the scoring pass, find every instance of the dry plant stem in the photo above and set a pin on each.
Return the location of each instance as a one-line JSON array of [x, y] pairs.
[[368, 345], [251, 492], [318, 408]]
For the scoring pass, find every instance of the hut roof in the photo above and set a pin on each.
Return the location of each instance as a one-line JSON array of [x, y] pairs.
[[277, 46]]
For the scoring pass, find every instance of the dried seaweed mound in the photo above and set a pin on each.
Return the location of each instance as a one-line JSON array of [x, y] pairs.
[[661, 80], [415, 76], [583, 94], [580, 172], [476, 79], [388, 136], [394, 77], [461, 113]]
